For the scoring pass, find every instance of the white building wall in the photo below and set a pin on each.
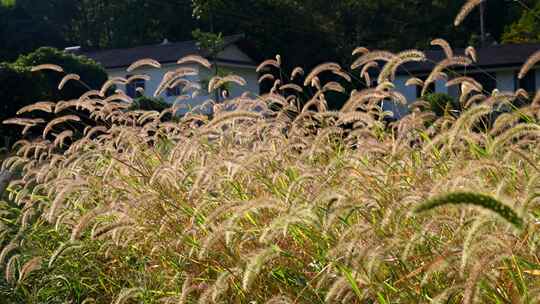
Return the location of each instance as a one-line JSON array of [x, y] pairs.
[[505, 80], [248, 73], [408, 91], [156, 75], [440, 86], [232, 52]]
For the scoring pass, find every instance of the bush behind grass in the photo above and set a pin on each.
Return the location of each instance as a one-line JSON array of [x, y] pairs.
[[21, 87]]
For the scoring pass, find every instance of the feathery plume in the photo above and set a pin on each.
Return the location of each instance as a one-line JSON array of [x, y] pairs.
[[329, 66], [45, 106], [23, 121], [444, 64], [278, 59], [280, 299], [522, 93], [144, 62], [255, 265], [60, 138], [217, 81], [297, 71], [536, 100], [127, 294], [11, 268], [333, 86], [414, 81], [471, 52], [360, 50], [57, 121], [342, 74], [368, 66], [67, 78], [390, 68], [197, 59], [85, 220], [60, 250], [291, 86], [186, 290], [109, 83], [465, 80], [445, 46], [97, 233], [6, 250], [267, 63], [32, 265], [531, 61], [372, 56], [266, 77], [228, 116], [466, 10], [89, 94], [138, 77], [48, 66]]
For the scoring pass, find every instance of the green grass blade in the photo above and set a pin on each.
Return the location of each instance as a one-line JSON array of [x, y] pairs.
[[476, 199]]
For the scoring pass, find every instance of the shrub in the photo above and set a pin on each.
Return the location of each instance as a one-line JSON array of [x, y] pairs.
[[91, 73], [442, 104], [21, 87], [149, 104]]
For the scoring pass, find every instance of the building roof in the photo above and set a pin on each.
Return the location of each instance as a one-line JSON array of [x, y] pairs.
[[497, 56], [164, 53]]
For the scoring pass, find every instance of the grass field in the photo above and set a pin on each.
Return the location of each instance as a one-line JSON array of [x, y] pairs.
[[280, 200]]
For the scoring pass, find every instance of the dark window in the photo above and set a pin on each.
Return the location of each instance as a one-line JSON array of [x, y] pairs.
[[131, 88], [528, 83], [486, 79], [454, 91], [430, 89], [176, 91]]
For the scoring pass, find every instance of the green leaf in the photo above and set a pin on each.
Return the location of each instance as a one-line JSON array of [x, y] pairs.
[[8, 3], [352, 281]]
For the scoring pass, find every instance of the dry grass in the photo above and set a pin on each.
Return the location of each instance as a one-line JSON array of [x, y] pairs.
[[278, 201]]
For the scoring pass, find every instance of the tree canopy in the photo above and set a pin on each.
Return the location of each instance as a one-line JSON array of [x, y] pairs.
[[304, 32], [526, 29]]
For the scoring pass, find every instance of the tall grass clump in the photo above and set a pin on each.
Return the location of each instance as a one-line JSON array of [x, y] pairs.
[[275, 198]]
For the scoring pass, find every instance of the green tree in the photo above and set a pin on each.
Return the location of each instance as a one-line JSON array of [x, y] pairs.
[[526, 29], [212, 44], [7, 3], [92, 74], [23, 29], [304, 32]]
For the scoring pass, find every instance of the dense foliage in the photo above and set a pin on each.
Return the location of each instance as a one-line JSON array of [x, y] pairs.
[[304, 32], [21, 87], [442, 104], [15, 92], [526, 29], [149, 104]]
